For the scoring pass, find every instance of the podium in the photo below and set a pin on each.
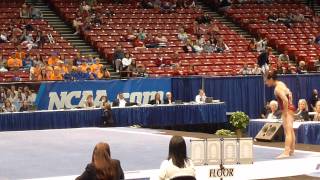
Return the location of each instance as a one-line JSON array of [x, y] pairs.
[[225, 151]]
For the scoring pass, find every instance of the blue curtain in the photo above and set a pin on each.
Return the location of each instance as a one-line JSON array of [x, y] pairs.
[[239, 93], [186, 88]]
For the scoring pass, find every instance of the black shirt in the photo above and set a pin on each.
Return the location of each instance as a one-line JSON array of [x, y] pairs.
[[91, 174]]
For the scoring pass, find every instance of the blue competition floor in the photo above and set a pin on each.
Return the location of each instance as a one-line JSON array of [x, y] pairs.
[[64, 152]]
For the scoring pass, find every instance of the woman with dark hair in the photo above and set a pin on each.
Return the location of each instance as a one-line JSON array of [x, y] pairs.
[[107, 117], [24, 106], [102, 166], [284, 97], [156, 100], [89, 102], [177, 164]]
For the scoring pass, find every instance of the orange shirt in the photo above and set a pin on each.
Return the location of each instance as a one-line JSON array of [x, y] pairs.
[[20, 55], [84, 67], [96, 68], [57, 77], [14, 63], [52, 61]]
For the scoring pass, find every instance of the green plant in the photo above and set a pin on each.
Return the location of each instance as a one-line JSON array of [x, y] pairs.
[[239, 120], [224, 132]]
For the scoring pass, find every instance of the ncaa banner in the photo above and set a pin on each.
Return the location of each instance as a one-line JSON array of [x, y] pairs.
[[68, 95]]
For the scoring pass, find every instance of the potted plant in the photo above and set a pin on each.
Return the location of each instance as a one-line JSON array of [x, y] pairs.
[[239, 120]]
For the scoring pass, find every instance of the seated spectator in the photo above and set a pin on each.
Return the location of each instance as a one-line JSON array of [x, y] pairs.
[[256, 70], [182, 35], [317, 111], [11, 96], [120, 101], [40, 39], [150, 41], [4, 37], [177, 164], [8, 106], [167, 6], [317, 64], [83, 67], [126, 62], [131, 34], [284, 57], [53, 59], [3, 64], [177, 71], [208, 47], [38, 60], [84, 8], [188, 47], [201, 97], [313, 99], [198, 45], [146, 4], [102, 166], [302, 112], [138, 44], [57, 75], [141, 34], [107, 115], [138, 70], [221, 46], [24, 106], [245, 70], [263, 60], [3, 68], [161, 40], [273, 18], [77, 23], [89, 75], [96, 19], [205, 19], [24, 11], [36, 13], [302, 69], [49, 73], [27, 62], [274, 112], [43, 75], [252, 46], [104, 72], [156, 100], [168, 99], [14, 63], [96, 68], [89, 103], [118, 55], [35, 72], [266, 110]]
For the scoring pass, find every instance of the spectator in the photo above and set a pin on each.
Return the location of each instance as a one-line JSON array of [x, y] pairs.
[[182, 35], [156, 100], [126, 62], [284, 57], [57, 75], [302, 112], [53, 60], [263, 61], [8, 106], [11, 96], [201, 97], [35, 72], [317, 64], [317, 110], [96, 68], [221, 46], [14, 63], [43, 75], [245, 70], [38, 60], [314, 98], [266, 110], [261, 45], [274, 112], [118, 55], [141, 34], [188, 47], [273, 18], [161, 40], [302, 69], [107, 115], [104, 72], [252, 47], [76, 23], [3, 37], [27, 62], [24, 11], [89, 103], [102, 166], [2, 68], [208, 47], [256, 70], [36, 13], [177, 164], [131, 34], [150, 41], [40, 39], [138, 71], [49, 73], [24, 106], [204, 19], [168, 99], [120, 101]]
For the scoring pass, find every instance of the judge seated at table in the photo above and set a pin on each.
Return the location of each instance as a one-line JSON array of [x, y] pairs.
[[156, 100], [302, 111], [201, 97], [89, 104], [120, 101], [168, 99], [317, 111], [275, 113]]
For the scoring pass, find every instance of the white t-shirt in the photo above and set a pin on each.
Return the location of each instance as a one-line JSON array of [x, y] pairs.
[[122, 103], [200, 99], [126, 62], [168, 170]]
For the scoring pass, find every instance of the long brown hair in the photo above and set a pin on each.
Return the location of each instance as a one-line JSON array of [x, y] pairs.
[[101, 159]]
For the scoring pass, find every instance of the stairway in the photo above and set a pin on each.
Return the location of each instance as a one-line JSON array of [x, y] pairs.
[[315, 6], [66, 31]]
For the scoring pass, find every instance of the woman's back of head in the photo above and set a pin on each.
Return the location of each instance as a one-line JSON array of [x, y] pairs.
[[177, 151], [104, 165]]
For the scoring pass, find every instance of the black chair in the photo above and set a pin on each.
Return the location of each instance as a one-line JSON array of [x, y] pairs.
[[184, 178]]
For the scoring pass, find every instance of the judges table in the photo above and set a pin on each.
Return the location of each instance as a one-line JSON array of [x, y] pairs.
[[307, 132], [160, 116]]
